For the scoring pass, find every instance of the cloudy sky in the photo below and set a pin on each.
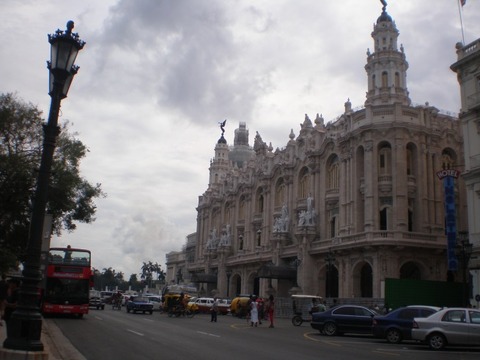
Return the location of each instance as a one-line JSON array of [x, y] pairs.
[[157, 76]]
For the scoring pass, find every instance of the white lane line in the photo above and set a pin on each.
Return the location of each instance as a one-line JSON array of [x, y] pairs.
[[208, 334], [135, 332]]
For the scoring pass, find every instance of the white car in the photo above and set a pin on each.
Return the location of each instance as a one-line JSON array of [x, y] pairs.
[[450, 326], [156, 300]]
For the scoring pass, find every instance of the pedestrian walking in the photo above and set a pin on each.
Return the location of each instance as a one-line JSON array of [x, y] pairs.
[[271, 310], [253, 313], [261, 310], [214, 310]]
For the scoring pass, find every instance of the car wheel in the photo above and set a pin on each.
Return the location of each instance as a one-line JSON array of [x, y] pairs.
[[436, 341], [297, 320], [393, 336], [128, 310], [151, 312], [330, 329]]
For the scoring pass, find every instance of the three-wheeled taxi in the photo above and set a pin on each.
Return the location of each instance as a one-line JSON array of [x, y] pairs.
[[303, 307]]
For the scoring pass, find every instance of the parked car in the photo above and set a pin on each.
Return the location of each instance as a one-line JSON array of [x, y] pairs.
[[397, 325], [96, 300], [224, 306], [140, 304], [156, 300], [450, 326], [343, 319]]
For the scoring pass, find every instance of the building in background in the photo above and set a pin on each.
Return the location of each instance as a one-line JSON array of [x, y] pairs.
[[342, 207], [467, 68]]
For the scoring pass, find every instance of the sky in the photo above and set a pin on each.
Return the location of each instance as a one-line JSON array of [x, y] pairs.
[[157, 76]]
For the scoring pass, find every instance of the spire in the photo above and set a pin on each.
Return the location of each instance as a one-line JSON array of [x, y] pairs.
[[386, 66]]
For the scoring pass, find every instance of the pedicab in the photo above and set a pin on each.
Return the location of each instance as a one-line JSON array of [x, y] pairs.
[[176, 305], [303, 307]]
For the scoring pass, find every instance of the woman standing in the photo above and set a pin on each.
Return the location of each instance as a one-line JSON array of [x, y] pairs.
[[253, 313], [271, 310]]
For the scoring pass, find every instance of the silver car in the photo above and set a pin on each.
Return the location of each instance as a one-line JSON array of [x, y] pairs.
[[450, 326]]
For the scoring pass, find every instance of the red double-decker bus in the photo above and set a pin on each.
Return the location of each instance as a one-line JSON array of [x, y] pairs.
[[67, 281]]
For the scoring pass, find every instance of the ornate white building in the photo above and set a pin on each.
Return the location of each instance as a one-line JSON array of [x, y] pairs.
[[341, 207]]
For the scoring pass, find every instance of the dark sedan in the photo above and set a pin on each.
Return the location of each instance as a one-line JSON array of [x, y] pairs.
[[140, 304], [342, 319], [397, 325]]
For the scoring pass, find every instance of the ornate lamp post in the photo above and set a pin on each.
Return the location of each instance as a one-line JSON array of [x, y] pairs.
[[24, 329], [463, 250]]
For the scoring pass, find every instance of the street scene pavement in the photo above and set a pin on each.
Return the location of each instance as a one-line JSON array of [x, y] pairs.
[[56, 345]]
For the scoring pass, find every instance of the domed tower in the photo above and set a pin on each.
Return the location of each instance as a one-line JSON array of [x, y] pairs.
[[386, 66], [219, 165], [241, 151]]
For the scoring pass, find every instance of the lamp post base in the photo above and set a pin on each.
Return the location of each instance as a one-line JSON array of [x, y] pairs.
[[23, 333]]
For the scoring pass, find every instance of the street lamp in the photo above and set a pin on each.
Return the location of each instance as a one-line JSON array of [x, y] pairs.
[[25, 325], [463, 250], [330, 259]]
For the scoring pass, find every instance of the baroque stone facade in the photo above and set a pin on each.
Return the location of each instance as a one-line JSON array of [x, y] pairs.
[[341, 207]]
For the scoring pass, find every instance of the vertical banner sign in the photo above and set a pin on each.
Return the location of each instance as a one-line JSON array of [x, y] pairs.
[[448, 177]]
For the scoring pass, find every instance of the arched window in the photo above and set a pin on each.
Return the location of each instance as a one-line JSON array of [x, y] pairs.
[[333, 174], [241, 208], [259, 203], [280, 193], [366, 281], [384, 217], [384, 79], [397, 80], [333, 226], [304, 184], [448, 161], [385, 160]]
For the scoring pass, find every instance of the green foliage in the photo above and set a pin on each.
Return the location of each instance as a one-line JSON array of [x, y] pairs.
[[71, 197]]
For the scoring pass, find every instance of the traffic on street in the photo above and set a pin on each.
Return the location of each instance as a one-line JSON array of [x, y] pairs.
[[109, 334]]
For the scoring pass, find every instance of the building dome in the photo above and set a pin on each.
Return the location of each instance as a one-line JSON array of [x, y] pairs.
[[221, 140], [384, 17]]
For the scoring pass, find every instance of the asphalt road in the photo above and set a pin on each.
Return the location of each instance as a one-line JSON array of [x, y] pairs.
[[112, 334]]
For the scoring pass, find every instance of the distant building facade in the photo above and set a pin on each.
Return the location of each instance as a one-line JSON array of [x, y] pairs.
[[341, 207], [467, 68]]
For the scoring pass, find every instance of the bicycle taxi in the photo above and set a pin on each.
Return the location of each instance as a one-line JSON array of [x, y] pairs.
[[303, 307]]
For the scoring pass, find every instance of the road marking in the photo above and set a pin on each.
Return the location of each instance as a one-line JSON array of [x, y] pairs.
[[208, 334], [98, 318], [385, 353], [148, 320], [135, 332]]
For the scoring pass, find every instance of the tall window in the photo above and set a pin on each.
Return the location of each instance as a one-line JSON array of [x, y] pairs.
[[259, 201], [447, 160], [333, 227], [280, 193], [384, 79], [384, 215], [385, 160], [304, 184], [397, 80], [241, 208], [333, 174]]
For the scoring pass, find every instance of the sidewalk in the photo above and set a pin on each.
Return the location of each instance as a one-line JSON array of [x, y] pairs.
[[56, 346]]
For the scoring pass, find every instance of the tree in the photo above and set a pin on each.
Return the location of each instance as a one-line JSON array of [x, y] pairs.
[[70, 198], [148, 269]]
